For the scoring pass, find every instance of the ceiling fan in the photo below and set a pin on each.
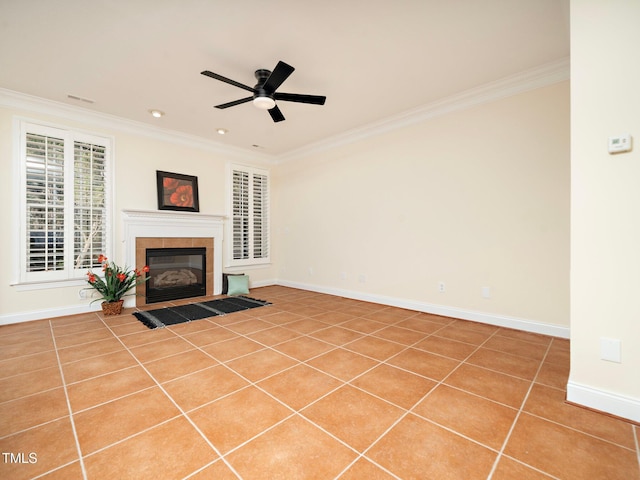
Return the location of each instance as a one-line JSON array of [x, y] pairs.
[[264, 92]]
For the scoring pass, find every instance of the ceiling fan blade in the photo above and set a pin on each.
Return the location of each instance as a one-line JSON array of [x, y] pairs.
[[226, 80], [294, 97], [276, 114], [235, 102], [279, 75]]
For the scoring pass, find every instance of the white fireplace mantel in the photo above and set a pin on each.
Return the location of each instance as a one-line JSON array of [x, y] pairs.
[[161, 223]]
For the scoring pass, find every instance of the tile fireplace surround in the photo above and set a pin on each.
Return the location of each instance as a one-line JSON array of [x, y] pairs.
[[160, 229]]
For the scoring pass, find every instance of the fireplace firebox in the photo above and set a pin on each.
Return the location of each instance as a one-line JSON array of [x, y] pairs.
[[176, 273]]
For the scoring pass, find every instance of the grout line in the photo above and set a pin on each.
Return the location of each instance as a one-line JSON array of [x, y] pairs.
[[4, 403], [53, 470], [204, 467], [114, 399], [251, 382], [635, 429], [122, 440], [320, 304], [366, 459], [410, 410], [582, 432], [33, 427], [341, 347], [294, 412], [27, 355], [513, 459], [344, 383], [517, 417], [71, 419], [99, 375], [180, 409]]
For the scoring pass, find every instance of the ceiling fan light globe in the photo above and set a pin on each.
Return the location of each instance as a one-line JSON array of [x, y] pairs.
[[264, 103]]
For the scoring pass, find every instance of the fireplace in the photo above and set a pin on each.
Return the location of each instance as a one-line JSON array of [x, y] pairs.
[[145, 229], [176, 273]]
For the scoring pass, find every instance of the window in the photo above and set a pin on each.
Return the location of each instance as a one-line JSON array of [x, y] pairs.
[[65, 213], [249, 216]]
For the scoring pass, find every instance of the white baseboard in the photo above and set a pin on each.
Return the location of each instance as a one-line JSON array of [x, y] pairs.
[[262, 283], [603, 401], [488, 318], [78, 309], [47, 313]]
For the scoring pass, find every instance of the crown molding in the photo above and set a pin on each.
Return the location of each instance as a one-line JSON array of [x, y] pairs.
[[532, 79], [542, 76], [33, 104]]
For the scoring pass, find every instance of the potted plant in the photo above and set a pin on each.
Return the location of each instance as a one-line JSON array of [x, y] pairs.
[[115, 284]]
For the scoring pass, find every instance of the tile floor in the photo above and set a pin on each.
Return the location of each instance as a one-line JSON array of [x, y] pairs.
[[311, 387]]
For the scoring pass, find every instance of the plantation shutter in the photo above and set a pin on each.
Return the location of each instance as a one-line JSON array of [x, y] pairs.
[[260, 202], [250, 216], [65, 203], [240, 215], [89, 204], [45, 203]]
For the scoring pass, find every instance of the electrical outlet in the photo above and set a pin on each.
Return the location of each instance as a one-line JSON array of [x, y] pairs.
[[343, 275], [310, 271], [486, 292], [362, 278], [442, 287]]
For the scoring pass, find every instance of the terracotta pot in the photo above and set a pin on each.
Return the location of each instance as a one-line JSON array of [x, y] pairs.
[[112, 308]]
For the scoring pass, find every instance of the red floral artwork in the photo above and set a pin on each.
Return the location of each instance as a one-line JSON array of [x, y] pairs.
[[178, 192], [182, 196]]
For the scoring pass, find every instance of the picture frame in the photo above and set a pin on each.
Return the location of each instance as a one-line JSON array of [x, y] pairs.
[[177, 192]]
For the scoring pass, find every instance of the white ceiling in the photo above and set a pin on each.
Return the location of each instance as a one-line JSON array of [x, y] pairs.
[[373, 59]]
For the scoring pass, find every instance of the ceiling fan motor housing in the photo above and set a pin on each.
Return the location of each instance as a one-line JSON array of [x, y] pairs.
[[261, 98], [262, 75]]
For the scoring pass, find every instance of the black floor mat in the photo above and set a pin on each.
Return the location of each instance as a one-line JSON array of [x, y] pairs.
[[162, 317]]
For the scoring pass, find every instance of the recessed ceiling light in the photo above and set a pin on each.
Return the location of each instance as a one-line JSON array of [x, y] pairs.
[[222, 131], [156, 113]]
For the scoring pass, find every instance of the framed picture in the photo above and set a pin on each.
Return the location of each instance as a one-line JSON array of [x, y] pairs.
[[177, 192]]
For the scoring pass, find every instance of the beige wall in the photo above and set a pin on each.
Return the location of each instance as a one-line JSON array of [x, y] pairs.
[[137, 157], [605, 210], [477, 198]]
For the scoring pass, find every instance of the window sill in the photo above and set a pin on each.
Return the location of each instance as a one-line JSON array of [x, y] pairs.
[[247, 266]]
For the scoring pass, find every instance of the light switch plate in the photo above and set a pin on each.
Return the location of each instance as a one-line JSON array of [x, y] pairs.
[[611, 349]]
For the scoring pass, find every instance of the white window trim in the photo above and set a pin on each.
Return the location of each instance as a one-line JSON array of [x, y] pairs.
[[21, 125], [230, 262]]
